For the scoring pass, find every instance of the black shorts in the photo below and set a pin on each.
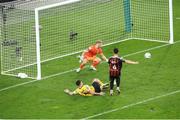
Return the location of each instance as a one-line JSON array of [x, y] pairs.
[[96, 87], [113, 78]]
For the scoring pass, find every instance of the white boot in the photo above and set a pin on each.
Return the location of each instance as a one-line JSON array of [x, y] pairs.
[[118, 90], [111, 92], [93, 68], [78, 70]]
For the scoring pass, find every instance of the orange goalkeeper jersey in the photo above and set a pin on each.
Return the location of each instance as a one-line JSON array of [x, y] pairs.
[[93, 51]]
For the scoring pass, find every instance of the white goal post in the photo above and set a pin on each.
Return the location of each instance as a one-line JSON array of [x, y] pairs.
[[37, 31], [44, 35], [171, 40]]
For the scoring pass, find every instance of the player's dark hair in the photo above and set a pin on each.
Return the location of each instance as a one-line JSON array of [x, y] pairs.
[[116, 50], [78, 82]]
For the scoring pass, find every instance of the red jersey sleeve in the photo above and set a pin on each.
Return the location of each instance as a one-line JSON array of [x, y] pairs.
[[100, 51]]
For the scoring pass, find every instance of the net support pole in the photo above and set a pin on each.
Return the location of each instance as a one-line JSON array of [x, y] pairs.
[[127, 15], [37, 45], [171, 41]]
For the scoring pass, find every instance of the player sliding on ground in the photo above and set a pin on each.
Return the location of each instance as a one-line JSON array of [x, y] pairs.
[[86, 90], [115, 65], [89, 55]]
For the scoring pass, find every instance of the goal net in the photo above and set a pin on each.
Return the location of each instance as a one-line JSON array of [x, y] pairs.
[[42, 38]]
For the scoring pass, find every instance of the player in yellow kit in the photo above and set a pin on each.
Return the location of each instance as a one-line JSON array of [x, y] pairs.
[[86, 90]]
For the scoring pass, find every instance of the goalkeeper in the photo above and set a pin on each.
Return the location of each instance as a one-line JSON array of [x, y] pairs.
[[86, 90], [89, 55]]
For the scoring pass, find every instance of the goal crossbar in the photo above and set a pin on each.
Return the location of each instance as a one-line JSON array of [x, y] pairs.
[[57, 4]]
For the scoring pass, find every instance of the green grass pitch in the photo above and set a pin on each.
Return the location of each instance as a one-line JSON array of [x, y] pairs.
[[151, 78]]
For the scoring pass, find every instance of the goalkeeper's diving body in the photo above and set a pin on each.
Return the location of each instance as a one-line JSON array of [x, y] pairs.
[[86, 90], [89, 55]]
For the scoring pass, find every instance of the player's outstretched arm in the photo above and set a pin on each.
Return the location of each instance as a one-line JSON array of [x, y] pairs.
[[104, 57], [131, 62], [68, 92]]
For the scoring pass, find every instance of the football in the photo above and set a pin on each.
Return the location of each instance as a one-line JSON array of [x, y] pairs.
[[147, 55]]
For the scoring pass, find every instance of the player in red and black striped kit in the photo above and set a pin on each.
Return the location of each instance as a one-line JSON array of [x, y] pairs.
[[115, 66]]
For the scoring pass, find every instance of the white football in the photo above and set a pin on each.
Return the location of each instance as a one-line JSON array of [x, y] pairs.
[[147, 55], [22, 75]]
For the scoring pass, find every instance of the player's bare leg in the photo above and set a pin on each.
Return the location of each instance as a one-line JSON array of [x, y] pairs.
[[103, 85], [95, 62], [97, 80], [82, 65]]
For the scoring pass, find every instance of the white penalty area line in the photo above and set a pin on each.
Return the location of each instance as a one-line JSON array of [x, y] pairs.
[[132, 105], [13, 86], [17, 85]]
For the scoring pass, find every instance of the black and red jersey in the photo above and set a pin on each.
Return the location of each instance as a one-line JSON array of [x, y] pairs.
[[115, 65]]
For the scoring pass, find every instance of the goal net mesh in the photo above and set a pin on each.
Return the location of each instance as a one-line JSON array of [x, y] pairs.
[[18, 44], [71, 28], [150, 19]]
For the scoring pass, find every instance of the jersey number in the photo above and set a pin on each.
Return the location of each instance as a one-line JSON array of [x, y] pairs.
[[114, 67]]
